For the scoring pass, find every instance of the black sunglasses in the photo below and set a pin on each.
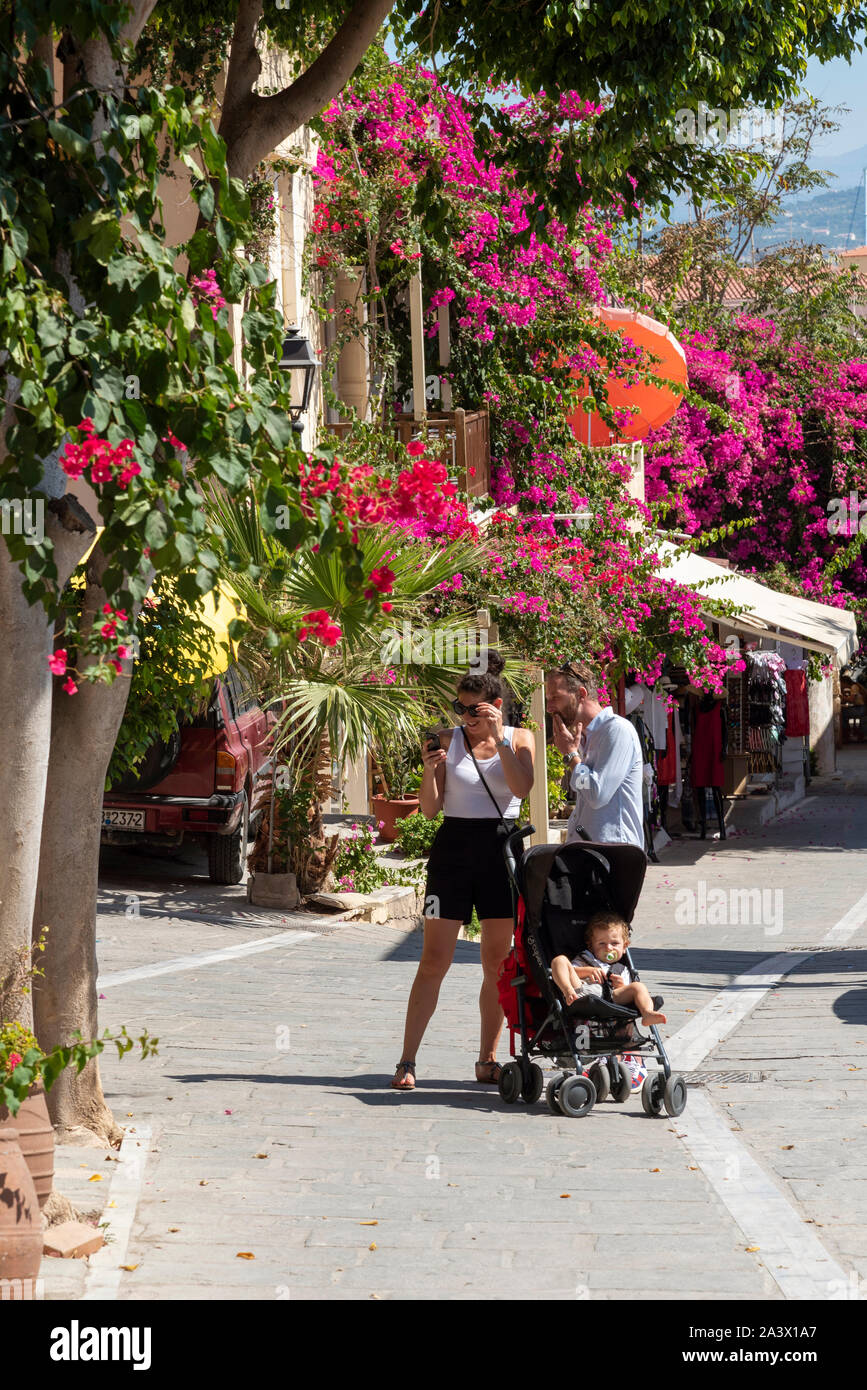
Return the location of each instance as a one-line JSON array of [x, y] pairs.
[[459, 708]]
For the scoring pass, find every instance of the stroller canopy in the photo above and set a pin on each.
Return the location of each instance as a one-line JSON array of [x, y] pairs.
[[564, 885]]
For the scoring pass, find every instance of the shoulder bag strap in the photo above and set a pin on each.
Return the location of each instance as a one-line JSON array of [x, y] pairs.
[[500, 816]]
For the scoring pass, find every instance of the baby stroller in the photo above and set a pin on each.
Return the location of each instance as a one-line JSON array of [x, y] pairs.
[[556, 890]]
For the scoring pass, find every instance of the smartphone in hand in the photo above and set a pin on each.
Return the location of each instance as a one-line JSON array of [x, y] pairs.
[[432, 740]]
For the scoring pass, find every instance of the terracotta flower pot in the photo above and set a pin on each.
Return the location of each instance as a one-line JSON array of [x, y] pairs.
[[35, 1139], [20, 1222], [390, 811]]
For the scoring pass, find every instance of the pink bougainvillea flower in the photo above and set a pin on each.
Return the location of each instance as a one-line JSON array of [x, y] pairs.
[[57, 662], [70, 687], [14, 1060]]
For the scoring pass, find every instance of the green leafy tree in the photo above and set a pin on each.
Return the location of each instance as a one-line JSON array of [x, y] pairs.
[[99, 321]]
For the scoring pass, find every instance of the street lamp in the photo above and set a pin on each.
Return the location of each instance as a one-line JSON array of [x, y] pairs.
[[299, 361]]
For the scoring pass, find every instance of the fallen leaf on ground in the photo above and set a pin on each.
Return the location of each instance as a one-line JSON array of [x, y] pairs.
[[751, 1249], [174, 1228], [787, 1146], [368, 1223], [245, 1255], [111, 1204], [95, 1177], [127, 1266], [203, 1182], [656, 1170], [565, 1194], [372, 1245], [260, 1155]]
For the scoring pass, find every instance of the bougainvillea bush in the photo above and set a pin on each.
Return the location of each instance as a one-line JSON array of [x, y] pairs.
[[401, 178], [795, 439]]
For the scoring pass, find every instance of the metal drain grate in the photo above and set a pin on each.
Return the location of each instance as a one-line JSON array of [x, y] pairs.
[[708, 1078]]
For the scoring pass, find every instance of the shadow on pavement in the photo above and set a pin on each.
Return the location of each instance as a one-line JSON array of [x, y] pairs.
[[851, 1007]]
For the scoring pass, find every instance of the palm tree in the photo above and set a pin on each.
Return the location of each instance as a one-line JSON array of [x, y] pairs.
[[336, 699]]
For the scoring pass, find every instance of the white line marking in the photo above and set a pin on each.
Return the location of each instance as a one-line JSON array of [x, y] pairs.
[[192, 962], [848, 925], [104, 1273], [692, 1043], [795, 1258]]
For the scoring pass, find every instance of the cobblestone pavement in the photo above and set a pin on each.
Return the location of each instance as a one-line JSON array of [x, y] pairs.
[[273, 1133]]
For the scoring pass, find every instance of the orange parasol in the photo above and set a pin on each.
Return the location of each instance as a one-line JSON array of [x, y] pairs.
[[656, 404]]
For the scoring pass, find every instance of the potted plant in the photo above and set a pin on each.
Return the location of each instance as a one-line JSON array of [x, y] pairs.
[[27, 1072], [397, 770], [290, 857]]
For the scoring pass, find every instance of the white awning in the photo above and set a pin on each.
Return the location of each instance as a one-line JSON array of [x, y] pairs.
[[765, 612]]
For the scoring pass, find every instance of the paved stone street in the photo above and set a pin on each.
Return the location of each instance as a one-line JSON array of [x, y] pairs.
[[273, 1133]]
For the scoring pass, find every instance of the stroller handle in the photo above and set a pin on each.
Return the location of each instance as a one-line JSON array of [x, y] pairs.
[[520, 833]]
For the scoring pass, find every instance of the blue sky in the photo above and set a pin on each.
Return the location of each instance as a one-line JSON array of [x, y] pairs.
[[839, 83]]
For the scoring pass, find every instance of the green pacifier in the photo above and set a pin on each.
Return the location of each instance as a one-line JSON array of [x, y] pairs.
[[612, 955]]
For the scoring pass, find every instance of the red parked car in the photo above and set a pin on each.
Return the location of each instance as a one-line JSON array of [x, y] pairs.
[[199, 785]]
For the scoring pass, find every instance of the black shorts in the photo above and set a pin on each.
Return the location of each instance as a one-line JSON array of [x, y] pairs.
[[467, 870]]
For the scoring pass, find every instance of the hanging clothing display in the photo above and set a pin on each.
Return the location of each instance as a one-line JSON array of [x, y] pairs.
[[650, 791], [666, 763], [708, 743], [797, 704], [767, 692], [653, 710]]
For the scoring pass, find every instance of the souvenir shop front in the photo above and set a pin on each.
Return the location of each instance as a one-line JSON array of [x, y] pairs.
[[703, 753]]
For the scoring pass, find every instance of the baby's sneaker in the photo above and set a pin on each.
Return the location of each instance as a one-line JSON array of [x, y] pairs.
[[637, 1066]]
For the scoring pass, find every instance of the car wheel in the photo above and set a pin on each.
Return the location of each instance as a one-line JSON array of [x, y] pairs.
[[227, 854]]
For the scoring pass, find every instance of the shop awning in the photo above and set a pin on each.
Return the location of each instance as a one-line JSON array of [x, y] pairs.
[[765, 612]]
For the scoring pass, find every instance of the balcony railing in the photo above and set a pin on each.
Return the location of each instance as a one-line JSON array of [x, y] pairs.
[[465, 439]]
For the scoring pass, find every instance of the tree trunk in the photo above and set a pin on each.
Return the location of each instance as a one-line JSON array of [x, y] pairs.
[[84, 730], [25, 708]]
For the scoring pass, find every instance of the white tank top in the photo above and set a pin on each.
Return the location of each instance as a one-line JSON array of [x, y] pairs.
[[465, 796]]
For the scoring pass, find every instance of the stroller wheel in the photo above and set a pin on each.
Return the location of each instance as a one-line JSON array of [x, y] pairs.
[[621, 1080], [674, 1095], [551, 1094], [651, 1094], [509, 1084], [577, 1096], [531, 1091], [601, 1078]]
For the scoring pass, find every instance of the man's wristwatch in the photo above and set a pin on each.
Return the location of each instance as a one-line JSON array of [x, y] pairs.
[[568, 757]]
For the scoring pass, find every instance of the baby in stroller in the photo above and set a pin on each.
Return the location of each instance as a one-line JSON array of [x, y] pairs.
[[559, 988], [601, 970]]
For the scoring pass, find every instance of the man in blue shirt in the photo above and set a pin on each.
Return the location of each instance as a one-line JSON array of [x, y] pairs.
[[603, 755]]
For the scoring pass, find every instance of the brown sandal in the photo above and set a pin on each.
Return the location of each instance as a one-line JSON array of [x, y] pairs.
[[493, 1077], [408, 1070]]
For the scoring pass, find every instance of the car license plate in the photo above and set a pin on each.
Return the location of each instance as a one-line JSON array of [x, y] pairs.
[[123, 820]]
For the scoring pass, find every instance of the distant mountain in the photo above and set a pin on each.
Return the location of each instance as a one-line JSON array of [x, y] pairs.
[[834, 217], [848, 167]]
